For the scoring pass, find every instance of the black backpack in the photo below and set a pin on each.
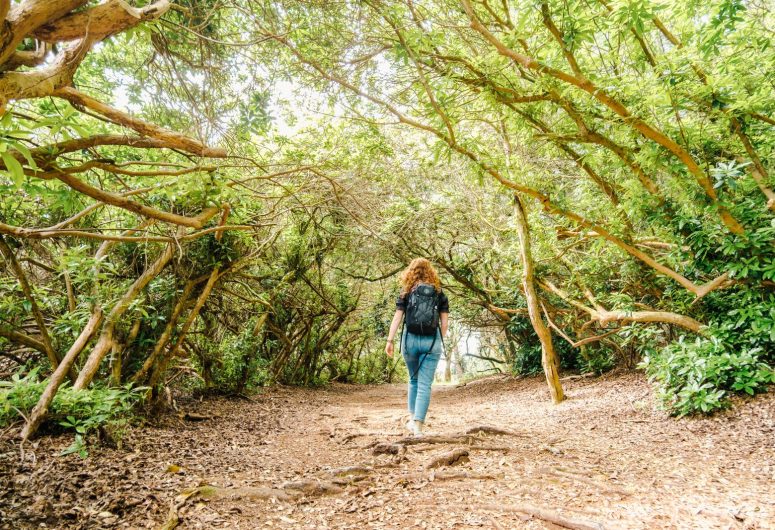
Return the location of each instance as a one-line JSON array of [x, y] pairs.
[[422, 310]]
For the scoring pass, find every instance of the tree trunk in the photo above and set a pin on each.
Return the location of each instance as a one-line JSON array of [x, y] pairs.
[[105, 341], [27, 290], [39, 412], [200, 301], [166, 334], [245, 375], [549, 358]]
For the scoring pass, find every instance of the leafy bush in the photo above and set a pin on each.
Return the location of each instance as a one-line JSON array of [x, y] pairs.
[[240, 367], [597, 360], [19, 395], [82, 411], [525, 354], [697, 376], [527, 360]]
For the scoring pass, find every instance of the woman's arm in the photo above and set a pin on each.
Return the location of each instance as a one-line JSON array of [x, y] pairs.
[[392, 333], [444, 324]]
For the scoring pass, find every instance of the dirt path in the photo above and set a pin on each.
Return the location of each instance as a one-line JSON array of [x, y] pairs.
[[603, 459]]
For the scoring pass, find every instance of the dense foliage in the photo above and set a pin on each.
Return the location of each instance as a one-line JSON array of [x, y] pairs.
[[288, 158]]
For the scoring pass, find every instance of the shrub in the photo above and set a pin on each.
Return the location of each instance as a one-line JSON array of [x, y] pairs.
[[240, 366], [527, 359], [597, 361], [694, 377], [19, 395], [81, 411]]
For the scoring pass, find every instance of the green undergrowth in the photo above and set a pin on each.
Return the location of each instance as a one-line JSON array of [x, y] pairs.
[[700, 376], [83, 412]]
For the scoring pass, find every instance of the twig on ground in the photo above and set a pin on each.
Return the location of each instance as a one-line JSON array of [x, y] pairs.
[[311, 487], [579, 376], [545, 515], [604, 488], [347, 471]]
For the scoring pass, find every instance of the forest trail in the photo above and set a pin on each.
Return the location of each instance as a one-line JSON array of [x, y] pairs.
[[606, 458]]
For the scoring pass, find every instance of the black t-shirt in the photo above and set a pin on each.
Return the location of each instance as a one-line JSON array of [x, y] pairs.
[[443, 303]]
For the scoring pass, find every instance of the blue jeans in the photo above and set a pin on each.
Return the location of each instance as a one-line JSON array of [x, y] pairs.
[[414, 349]]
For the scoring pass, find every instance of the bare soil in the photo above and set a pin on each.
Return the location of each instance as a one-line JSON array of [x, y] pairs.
[[339, 458]]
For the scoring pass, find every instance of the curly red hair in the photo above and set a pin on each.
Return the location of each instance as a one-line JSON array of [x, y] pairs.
[[419, 270]]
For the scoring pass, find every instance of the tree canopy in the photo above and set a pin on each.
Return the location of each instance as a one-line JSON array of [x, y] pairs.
[[221, 193]]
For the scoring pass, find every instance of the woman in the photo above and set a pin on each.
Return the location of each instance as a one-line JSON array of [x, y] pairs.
[[421, 351]]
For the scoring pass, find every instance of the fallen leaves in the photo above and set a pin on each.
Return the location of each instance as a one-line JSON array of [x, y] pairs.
[[246, 467]]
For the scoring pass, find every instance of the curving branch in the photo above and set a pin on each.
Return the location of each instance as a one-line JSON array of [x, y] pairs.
[[546, 202], [549, 358], [121, 201], [161, 365], [43, 81], [57, 378], [32, 233], [601, 315], [8, 254], [20, 338], [758, 173], [99, 22], [647, 130], [28, 58], [172, 139], [169, 328], [106, 339], [25, 17], [51, 151]]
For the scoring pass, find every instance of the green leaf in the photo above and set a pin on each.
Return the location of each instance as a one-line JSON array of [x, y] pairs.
[[14, 168], [26, 153]]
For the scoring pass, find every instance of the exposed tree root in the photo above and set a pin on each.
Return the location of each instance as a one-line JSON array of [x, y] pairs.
[[287, 492], [503, 448], [451, 458], [349, 480], [545, 515], [579, 376], [469, 437], [604, 488], [464, 439], [349, 437], [445, 475], [193, 416], [311, 487], [349, 471], [489, 429], [453, 439], [212, 492], [388, 448], [249, 493], [344, 476]]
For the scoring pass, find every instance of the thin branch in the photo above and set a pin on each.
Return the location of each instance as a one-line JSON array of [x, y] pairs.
[[9, 256], [171, 138]]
